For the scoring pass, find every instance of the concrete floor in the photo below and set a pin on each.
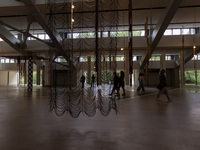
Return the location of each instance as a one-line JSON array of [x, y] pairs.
[[141, 124]]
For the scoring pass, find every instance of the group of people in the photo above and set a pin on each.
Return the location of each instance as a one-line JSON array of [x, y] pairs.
[[161, 86], [118, 82], [82, 80]]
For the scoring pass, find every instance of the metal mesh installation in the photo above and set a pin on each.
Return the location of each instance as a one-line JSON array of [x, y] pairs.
[[79, 40]]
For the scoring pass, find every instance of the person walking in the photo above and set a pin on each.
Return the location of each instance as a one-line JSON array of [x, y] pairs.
[[121, 82], [116, 83], [162, 86], [141, 80]]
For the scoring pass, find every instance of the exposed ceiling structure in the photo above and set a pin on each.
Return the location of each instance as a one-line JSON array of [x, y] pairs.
[[31, 17]]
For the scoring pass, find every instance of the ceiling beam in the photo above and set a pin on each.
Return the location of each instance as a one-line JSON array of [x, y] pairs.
[[190, 54], [15, 43], [54, 35], [10, 39], [160, 28], [27, 33]]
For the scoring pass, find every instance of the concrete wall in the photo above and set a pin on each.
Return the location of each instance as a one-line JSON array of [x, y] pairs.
[[172, 77], [3, 77], [13, 78], [9, 78], [12, 66], [8, 72]]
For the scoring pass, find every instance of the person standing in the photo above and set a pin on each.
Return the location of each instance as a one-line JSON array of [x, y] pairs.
[[141, 85], [162, 86], [82, 80], [93, 78], [121, 81]]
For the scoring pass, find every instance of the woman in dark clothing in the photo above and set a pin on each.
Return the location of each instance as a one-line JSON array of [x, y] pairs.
[[82, 80], [121, 82], [162, 85], [92, 83], [116, 83], [141, 85]]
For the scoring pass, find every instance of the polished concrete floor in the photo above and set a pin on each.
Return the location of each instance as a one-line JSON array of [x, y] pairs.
[[141, 124]]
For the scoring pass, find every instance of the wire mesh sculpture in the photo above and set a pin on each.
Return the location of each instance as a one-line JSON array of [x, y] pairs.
[[66, 93]]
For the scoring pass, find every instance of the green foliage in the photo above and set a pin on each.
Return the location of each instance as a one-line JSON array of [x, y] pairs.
[[137, 33], [106, 76], [87, 35], [190, 77], [34, 78]]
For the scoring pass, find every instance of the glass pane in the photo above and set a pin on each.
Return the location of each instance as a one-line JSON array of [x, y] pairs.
[[134, 58], [192, 31], [137, 33], [113, 34], [41, 36], [142, 33], [12, 61], [2, 60], [105, 34], [185, 31], [75, 35], [93, 59], [7, 60], [176, 32], [168, 32], [47, 37]]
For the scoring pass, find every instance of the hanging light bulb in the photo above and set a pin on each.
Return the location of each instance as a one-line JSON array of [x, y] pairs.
[[194, 46], [73, 6], [122, 49], [72, 20]]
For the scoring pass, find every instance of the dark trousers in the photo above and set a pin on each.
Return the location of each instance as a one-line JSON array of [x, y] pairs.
[[139, 87], [82, 84]]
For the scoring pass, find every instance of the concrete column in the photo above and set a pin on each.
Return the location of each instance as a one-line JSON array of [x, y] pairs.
[[162, 60], [8, 78], [126, 58], [114, 64], [104, 69], [136, 75], [182, 68], [25, 72], [99, 69], [43, 75], [38, 72], [89, 70], [30, 74], [182, 64], [46, 73]]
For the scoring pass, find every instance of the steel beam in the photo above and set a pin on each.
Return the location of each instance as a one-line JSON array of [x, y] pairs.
[[160, 28], [10, 39], [54, 35], [189, 55]]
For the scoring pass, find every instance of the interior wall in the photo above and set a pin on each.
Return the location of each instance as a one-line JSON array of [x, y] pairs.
[[13, 78], [3, 77], [61, 78], [172, 77], [8, 78]]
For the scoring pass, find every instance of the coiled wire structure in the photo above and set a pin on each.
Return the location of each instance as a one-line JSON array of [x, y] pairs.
[[66, 94]]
